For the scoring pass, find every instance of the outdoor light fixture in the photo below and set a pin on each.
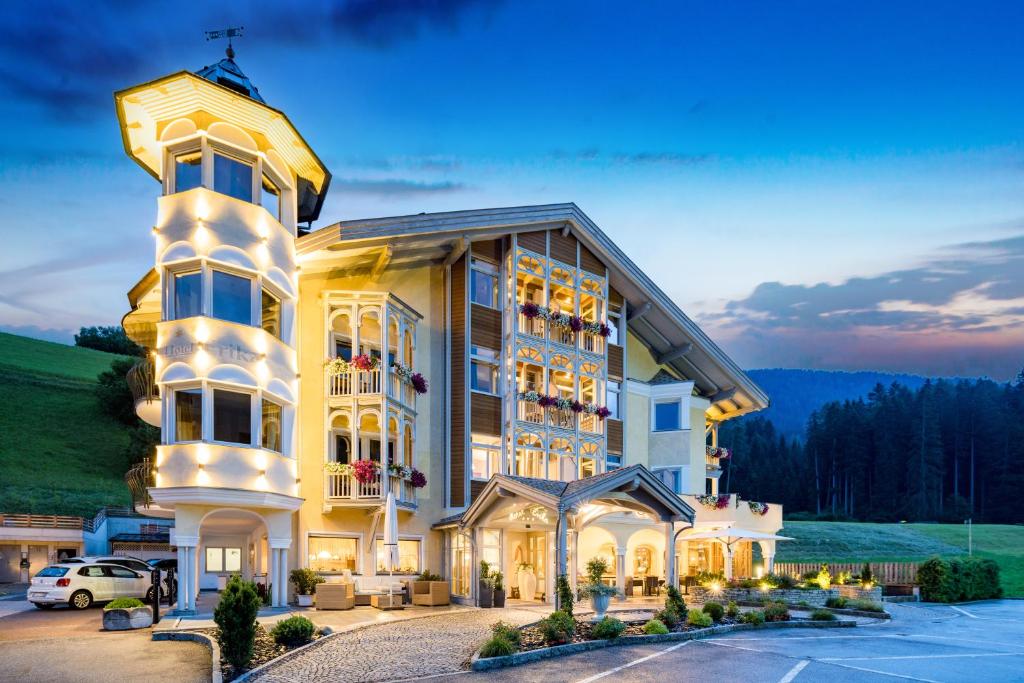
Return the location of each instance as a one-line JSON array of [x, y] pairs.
[[715, 587]]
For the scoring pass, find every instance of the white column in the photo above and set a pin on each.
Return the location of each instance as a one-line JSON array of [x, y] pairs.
[[194, 577], [284, 576], [561, 551], [728, 563], [574, 559], [182, 579], [620, 571], [670, 553], [274, 577], [769, 564]]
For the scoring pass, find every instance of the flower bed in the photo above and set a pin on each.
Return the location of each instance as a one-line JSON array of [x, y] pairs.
[[265, 650], [815, 597]]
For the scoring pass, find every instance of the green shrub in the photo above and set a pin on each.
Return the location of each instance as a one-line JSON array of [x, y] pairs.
[[565, 598], [748, 583], [865, 605], [732, 610], [714, 610], [936, 580], [557, 628], [497, 647], [780, 581], [608, 628], [696, 617], [670, 617], [124, 603], [508, 632], [674, 600], [776, 611], [305, 580], [705, 578], [755, 617], [803, 603], [427, 576], [235, 615], [865, 574], [655, 628], [293, 631], [975, 579], [837, 602], [822, 615]]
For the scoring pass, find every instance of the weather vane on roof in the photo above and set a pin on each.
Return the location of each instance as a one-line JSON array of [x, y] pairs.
[[229, 33]]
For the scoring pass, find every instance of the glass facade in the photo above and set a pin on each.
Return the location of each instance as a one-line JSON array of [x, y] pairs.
[[270, 426]]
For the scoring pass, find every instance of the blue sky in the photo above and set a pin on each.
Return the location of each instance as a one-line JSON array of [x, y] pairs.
[[824, 185]]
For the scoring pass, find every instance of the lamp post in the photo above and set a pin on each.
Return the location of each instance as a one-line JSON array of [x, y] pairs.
[[970, 536]]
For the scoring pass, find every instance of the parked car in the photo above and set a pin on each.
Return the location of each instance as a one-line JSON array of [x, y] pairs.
[[134, 563], [80, 584]]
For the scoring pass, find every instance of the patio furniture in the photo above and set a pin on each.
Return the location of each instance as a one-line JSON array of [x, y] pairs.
[[430, 593], [386, 602], [335, 596], [629, 587], [364, 597], [651, 585]]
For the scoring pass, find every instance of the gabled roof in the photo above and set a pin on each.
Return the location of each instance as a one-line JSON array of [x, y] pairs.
[[671, 336], [634, 482]]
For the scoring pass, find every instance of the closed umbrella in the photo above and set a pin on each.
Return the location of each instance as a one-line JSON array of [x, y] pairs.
[[390, 538]]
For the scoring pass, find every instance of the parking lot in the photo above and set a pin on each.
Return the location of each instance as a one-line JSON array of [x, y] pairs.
[[979, 641]]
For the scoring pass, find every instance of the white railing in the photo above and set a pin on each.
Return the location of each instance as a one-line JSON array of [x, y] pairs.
[[345, 487], [591, 424], [592, 343], [531, 326], [529, 411], [353, 382], [562, 335], [563, 418]]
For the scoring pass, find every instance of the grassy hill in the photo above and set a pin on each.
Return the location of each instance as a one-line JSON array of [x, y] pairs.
[[59, 454], [862, 542]]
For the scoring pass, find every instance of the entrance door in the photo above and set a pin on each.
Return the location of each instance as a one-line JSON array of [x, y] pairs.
[[536, 547]]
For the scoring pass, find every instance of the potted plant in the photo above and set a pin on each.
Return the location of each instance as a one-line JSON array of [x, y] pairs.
[[600, 594], [486, 592], [123, 614], [305, 581], [527, 581], [498, 585]]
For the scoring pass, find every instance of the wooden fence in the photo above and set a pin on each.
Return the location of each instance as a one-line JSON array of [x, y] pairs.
[[885, 573], [41, 521]]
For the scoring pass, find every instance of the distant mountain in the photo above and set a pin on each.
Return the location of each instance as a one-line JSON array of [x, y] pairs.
[[795, 394]]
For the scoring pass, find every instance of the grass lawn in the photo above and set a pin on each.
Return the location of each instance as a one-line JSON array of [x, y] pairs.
[[59, 454], [863, 542]]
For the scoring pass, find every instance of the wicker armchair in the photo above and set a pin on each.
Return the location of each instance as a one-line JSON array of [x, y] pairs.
[[430, 593], [336, 596]]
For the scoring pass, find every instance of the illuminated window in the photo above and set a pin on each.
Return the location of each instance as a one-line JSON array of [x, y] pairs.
[[232, 177], [188, 171], [486, 456], [270, 314], [270, 426], [188, 295], [232, 297], [462, 564], [188, 415], [223, 560], [232, 417], [333, 554], [270, 198], [408, 556]]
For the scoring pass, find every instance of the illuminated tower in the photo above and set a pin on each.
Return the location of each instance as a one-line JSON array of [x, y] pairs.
[[218, 316]]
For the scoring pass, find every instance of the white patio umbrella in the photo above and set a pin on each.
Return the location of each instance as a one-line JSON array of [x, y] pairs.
[[730, 535], [390, 539]]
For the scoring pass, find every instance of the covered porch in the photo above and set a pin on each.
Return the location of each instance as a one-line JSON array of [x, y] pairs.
[[534, 530]]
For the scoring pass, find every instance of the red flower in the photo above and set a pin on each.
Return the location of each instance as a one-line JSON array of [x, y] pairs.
[[419, 383], [723, 501], [363, 362], [366, 471], [418, 480]]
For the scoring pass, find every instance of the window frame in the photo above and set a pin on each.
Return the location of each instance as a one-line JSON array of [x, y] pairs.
[[173, 313], [608, 391], [678, 402], [214, 269], [378, 543], [493, 362], [223, 559], [357, 537], [183, 387], [263, 400], [490, 448], [677, 473], [252, 395], [244, 157], [492, 270]]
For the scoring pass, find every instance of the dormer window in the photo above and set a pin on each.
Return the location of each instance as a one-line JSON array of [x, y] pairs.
[[232, 177]]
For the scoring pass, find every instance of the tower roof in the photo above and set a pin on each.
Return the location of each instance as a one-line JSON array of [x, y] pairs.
[[226, 73]]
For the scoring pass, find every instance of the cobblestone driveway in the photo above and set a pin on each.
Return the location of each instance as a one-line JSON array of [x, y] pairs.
[[405, 649]]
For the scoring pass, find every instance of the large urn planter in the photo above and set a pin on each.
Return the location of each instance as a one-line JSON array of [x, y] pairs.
[[127, 618], [499, 597], [527, 584], [600, 604], [486, 594]]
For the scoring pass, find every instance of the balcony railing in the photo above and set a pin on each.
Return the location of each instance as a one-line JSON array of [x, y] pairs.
[[713, 457], [141, 380], [42, 521], [345, 488], [528, 411], [534, 327], [563, 418], [139, 479], [591, 423], [352, 382]]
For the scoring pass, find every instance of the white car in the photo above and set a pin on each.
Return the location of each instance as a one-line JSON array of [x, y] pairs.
[[79, 585], [135, 563]]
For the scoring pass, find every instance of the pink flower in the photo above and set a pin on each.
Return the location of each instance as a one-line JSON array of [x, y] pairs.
[[363, 362], [418, 480], [603, 412], [366, 471], [723, 501], [605, 330], [419, 383], [530, 309]]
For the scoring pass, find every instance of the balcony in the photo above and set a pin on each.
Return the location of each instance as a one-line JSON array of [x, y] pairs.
[[535, 329], [560, 418], [344, 490], [142, 383], [713, 458], [350, 382], [729, 509]]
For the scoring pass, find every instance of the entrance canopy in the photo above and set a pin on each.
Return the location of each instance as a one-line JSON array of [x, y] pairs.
[[510, 500]]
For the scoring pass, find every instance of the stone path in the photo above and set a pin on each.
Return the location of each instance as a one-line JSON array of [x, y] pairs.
[[413, 648]]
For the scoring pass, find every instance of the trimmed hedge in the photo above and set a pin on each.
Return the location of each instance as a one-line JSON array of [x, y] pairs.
[[293, 631], [959, 579], [124, 603]]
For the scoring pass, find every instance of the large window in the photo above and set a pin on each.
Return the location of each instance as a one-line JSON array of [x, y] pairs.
[[666, 416], [483, 372], [408, 556], [673, 478], [223, 560], [486, 456], [462, 564], [232, 177], [188, 171], [188, 295], [614, 392], [270, 197], [188, 415], [232, 297], [484, 284], [270, 427], [232, 417], [333, 554], [270, 314]]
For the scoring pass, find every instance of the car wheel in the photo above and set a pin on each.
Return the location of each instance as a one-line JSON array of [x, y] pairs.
[[80, 600], [43, 605], [149, 595]]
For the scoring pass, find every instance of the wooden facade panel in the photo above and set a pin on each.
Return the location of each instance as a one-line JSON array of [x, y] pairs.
[[534, 241], [485, 414], [488, 249], [590, 263], [485, 327], [614, 435], [614, 297], [457, 435], [563, 248], [475, 488], [616, 365]]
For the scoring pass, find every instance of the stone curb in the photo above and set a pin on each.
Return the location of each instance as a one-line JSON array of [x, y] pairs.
[[202, 638], [837, 610], [478, 663]]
